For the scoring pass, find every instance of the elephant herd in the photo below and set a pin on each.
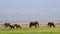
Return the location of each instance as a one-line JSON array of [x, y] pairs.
[[36, 24], [12, 26]]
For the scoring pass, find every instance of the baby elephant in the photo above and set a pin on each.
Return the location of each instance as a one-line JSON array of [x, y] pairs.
[[11, 26], [17, 26], [50, 24]]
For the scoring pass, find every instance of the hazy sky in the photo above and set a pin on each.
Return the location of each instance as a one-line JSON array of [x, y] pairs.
[[29, 10]]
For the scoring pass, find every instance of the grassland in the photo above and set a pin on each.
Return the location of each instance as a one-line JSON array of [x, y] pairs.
[[26, 30]]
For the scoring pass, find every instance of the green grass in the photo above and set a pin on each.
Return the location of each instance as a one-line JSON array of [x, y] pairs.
[[26, 30]]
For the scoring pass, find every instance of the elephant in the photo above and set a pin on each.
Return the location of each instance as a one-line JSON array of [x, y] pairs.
[[17, 26], [11, 26], [6, 24], [50, 24], [33, 24]]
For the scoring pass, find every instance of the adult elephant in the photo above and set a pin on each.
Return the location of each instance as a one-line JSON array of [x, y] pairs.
[[9, 25], [6, 24], [50, 24], [33, 24]]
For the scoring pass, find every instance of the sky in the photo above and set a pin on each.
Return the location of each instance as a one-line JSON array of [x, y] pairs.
[[29, 10]]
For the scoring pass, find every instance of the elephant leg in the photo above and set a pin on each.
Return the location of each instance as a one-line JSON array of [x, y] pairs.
[[10, 27], [20, 27], [6, 26], [17, 27], [35, 26], [30, 26], [13, 27], [50, 25]]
